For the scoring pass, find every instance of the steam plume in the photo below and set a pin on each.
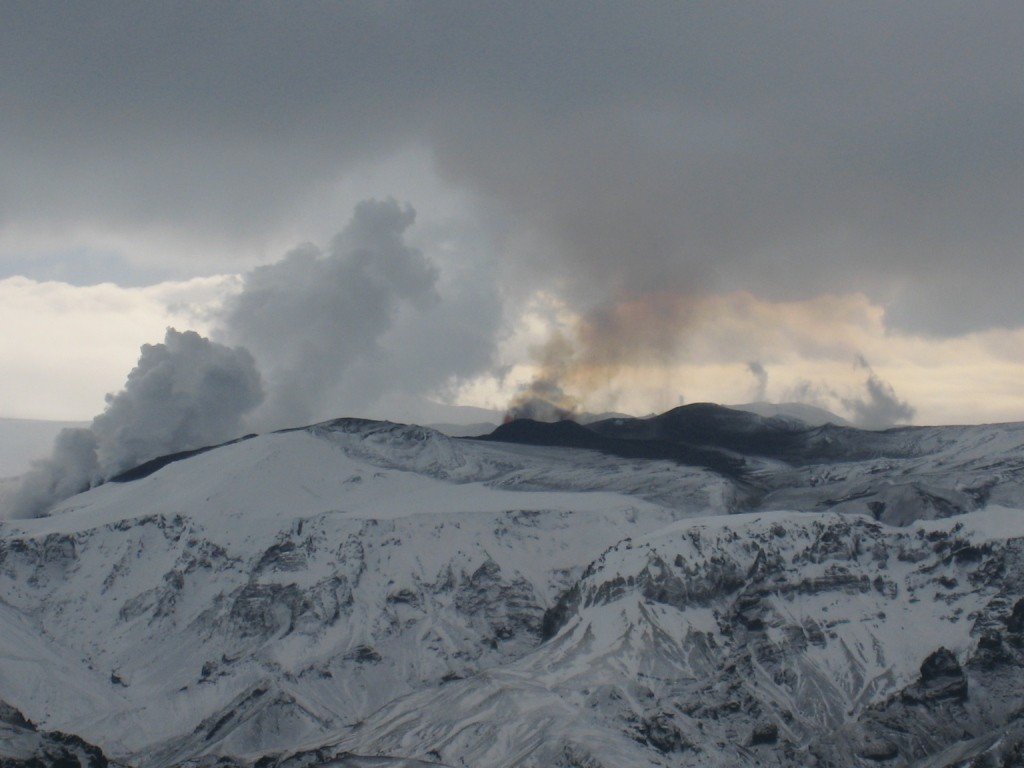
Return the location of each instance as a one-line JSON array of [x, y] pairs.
[[316, 319], [184, 393], [881, 408], [71, 469], [761, 376], [333, 331]]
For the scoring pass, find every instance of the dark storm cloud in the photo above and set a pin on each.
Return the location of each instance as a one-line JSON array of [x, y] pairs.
[[781, 148]]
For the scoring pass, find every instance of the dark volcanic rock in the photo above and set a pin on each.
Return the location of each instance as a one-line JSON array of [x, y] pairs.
[[23, 745], [714, 426], [147, 468], [878, 749], [1015, 622], [764, 733], [568, 434], [661, 733], [942, 678]]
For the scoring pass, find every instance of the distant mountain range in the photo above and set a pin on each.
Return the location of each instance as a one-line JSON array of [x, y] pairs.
[[811, 415]]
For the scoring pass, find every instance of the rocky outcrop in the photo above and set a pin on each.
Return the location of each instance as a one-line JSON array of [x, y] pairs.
[[758, 640], [376, 589], [23, 745]]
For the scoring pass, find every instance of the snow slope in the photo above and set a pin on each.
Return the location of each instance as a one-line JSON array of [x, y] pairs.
[[764, 639], [330, 569], [365, 588], [811, 415]]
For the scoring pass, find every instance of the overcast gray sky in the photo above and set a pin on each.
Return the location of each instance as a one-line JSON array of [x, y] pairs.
[[747, 158]]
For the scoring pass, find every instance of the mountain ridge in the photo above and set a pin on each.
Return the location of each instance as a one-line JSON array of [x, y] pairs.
[[369, 588]]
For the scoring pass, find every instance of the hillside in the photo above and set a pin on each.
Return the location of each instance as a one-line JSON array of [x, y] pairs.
[[358, 590]]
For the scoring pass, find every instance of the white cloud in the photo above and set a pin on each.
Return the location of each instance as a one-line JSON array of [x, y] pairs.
[[64, 347]]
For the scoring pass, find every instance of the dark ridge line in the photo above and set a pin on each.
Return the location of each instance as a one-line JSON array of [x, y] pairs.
[[715, 437], [147, 468], [569, 434], [698, 434]]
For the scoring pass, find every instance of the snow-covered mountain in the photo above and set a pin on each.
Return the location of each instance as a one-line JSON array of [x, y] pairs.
[[698, 588]]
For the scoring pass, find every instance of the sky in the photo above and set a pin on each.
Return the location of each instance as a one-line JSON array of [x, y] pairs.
[[635, 205]]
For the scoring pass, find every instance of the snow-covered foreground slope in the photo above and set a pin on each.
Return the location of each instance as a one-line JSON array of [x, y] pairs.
[[361, 588], [770, 639], [301, 581]]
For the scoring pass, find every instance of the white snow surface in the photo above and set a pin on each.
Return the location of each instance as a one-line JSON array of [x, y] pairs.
[[386, 590], [863, 623], [137, 587]]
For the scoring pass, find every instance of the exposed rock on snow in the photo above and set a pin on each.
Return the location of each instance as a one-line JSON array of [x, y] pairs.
[[363, 593], [23, 745]]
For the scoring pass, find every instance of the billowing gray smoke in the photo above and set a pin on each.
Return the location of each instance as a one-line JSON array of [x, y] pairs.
[[334, 330], [185, 393], [71, 469], [880, 408], [543, 399], [539, 408]]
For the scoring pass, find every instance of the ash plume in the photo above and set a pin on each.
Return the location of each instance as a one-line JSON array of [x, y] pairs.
[[186, 392], [879, 408], [544, 399], [636, 330], [538, 409]]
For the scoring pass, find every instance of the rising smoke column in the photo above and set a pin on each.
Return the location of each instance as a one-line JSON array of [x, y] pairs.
[[72, 468], [337, 329], [761, 376], [184, 393], [316, 318], [543, 398], [636, 330], [879, 408]]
